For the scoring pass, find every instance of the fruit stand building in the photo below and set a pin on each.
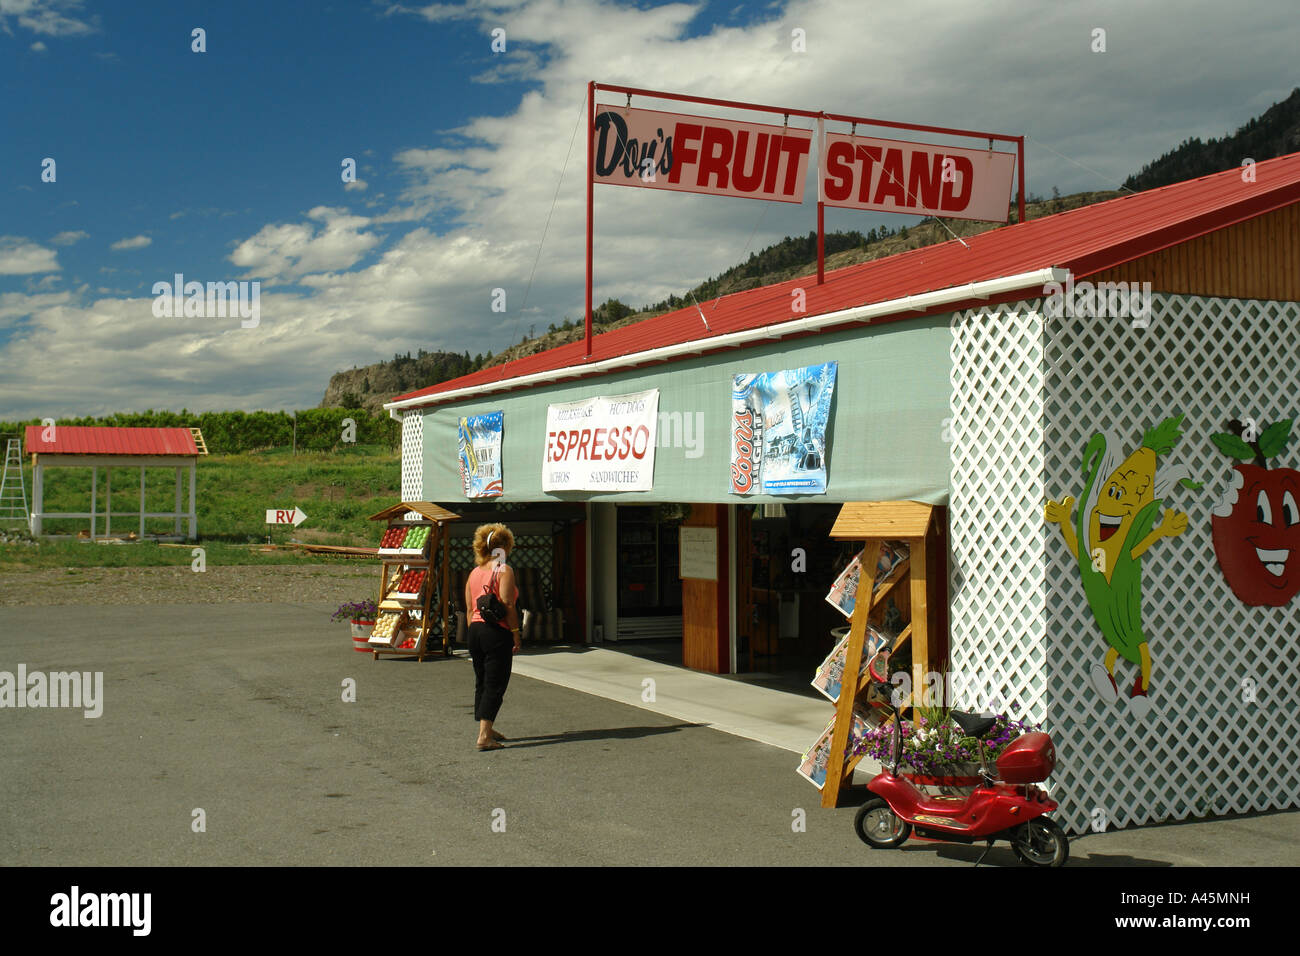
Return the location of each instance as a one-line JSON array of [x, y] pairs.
[[1100, 399]]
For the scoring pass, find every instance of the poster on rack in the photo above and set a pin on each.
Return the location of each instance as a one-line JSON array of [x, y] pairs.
[[816, 759], [601, 444], [875, 662], [843, 595], [778, 430], [479, 440]]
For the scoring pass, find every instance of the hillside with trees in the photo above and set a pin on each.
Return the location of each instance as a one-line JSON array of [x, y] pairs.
[[1275, 133]]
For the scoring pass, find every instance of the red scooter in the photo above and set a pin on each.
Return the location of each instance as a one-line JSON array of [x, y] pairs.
[[1010, 808]]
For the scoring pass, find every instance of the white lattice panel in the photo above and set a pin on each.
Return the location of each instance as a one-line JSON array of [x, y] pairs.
[[412, 456], [1205, 747], [997, 579]]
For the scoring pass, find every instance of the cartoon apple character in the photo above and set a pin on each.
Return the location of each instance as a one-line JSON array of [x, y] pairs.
[[1256, 527]]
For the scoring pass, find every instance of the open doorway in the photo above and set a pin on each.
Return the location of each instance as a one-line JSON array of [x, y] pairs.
[[649, 588], [786, 563]]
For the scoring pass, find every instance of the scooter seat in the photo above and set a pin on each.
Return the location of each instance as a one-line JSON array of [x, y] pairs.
[[973, 724]]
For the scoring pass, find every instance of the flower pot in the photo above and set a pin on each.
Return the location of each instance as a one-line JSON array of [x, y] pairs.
[[950, 778], [361, 631]]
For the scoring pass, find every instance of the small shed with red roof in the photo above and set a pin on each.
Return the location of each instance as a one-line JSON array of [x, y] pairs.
[[74, 446]]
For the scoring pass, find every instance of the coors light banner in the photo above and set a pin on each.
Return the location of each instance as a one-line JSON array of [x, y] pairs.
[[778, 430], [699, 154]]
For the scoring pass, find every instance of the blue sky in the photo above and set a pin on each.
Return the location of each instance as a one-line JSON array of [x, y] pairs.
[[225, 165], [193, 149]]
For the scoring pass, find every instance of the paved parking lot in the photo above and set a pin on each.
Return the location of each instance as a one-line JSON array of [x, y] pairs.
[[237, 711]]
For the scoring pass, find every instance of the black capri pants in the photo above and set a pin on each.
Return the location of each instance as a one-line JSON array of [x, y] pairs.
[[491, 648]]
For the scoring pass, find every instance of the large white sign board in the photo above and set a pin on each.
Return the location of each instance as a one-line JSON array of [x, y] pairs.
[[601, 444]]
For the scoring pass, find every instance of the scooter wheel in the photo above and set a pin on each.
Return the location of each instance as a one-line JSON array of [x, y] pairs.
[[1040, 842], [879, 826]]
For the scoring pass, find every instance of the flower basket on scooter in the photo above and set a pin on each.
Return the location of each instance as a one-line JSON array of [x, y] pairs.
[[955, 778], [937, 753]]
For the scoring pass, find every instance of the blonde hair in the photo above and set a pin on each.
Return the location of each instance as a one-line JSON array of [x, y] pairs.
[[490, 537]]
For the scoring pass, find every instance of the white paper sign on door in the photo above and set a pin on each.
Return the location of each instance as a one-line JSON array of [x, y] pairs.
[[699, 553]]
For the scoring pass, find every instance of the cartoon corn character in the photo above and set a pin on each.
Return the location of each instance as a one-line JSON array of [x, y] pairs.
[[1121, 510]]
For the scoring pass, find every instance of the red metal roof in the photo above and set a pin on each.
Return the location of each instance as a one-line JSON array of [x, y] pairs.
[[1086, 240], [81, 440]]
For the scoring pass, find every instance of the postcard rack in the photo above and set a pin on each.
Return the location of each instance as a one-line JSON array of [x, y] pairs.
[[873, 523]]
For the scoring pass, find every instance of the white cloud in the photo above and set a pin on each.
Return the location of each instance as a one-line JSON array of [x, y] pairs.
[[48, 17], [357, 185], [492, 182], [511, 66], [134, 242], [14, 305], [20, 256], [38, 47], [290, 251], [68, 238], [436, 12]]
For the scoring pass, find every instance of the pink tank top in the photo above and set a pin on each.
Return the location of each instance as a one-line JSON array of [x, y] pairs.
[[480, 578]]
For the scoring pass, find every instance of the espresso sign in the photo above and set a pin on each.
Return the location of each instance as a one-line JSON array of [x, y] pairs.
[[601, 444], [699, 154], [891, 176]]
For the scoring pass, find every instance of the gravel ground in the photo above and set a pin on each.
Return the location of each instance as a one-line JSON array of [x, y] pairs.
[[265, 584]]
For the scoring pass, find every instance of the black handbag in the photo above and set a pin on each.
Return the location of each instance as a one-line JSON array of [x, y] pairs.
[[489, 605]]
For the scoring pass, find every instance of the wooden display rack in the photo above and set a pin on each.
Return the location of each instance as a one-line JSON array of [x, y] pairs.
[[438, 557], [872, 523]]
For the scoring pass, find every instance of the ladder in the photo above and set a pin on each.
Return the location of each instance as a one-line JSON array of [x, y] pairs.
[[13, 490]]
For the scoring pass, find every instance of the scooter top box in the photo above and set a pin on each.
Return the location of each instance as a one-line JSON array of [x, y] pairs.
[[1029, 758]]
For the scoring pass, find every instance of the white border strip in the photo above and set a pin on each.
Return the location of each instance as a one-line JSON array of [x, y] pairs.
[[865, 313]]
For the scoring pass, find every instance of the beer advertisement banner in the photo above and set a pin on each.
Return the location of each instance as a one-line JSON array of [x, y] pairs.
[[479, 439], [778, 431], [602, 444], [862, 172], [699, 154]]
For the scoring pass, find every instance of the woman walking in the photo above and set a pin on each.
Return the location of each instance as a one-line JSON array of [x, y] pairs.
[[491, 646]]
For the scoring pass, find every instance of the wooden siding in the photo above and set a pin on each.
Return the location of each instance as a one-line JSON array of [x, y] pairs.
[[705, 621], [1256, 259]]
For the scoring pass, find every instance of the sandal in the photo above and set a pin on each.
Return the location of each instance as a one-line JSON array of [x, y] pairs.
[[492, 746]]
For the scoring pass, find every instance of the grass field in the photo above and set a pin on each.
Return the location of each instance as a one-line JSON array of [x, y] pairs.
[[337, 490]]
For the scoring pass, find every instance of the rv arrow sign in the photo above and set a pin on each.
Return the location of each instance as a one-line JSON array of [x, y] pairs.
[[294, 516]]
